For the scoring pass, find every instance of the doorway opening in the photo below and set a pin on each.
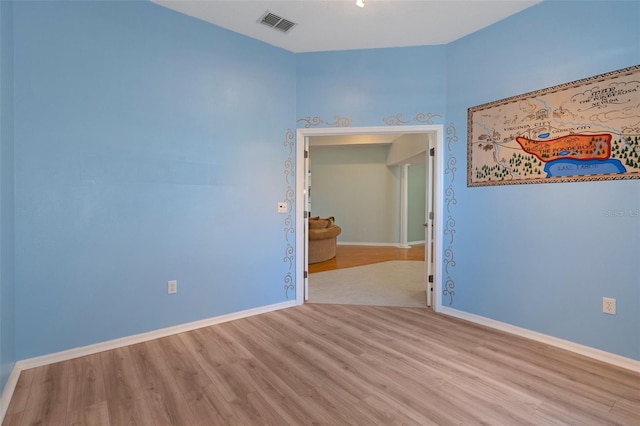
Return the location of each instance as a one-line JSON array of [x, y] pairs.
[[433, 221]]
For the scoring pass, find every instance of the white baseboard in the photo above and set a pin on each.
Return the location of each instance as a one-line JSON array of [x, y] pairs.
[[348, 243], [351, 243], [600, 355], [143, 337]]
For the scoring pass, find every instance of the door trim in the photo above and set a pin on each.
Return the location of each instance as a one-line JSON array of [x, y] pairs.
[[300, 201]]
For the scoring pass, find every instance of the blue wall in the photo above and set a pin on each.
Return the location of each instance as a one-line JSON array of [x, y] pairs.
[[7, 273], [543, 256], [367, 86], [148, 147]]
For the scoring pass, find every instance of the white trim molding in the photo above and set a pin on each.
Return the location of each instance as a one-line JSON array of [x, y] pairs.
[[143, 337], [355, 243], [436, 131], [600, 355]]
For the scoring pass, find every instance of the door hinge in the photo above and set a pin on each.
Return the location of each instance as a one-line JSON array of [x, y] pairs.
[[431, 278], [306, 215], [306, 274], [432, 152], [430, 215], [306, 154]]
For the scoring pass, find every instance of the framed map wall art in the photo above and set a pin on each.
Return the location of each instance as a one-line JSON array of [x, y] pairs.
[[584, 130]]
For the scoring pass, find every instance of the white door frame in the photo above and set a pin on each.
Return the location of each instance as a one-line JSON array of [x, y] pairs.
[[300, 200]]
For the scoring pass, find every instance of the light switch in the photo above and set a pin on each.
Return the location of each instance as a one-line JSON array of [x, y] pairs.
[[282, 207]]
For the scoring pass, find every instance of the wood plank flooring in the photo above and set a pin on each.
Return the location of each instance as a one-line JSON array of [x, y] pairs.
[[348, 256], [331, 365]]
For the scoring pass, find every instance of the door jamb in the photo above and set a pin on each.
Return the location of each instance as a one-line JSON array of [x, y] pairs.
[[438, 223]]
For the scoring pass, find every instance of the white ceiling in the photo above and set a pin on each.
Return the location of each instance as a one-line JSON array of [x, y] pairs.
[[341, 25]]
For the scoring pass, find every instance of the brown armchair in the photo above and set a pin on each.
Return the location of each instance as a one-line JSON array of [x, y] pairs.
[[323, 234]]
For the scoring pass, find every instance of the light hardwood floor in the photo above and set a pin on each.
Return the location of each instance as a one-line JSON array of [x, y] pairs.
[[331, 365], [348, 256]]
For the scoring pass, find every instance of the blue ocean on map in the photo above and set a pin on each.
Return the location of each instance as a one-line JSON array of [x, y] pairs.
[[570, 167]]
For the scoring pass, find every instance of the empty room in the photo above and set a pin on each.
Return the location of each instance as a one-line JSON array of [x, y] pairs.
[[154, 211]]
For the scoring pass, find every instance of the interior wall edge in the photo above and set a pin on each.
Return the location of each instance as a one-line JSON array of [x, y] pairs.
[[9, 389]]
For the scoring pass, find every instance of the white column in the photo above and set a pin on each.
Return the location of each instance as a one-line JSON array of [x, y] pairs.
[[404, 205]]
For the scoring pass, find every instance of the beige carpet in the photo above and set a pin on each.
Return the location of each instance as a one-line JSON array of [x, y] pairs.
[[394, 283]]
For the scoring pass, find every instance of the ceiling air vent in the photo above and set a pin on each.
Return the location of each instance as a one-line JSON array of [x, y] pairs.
[[277, 22]]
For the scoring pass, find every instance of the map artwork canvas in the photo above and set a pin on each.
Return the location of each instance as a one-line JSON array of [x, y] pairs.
[[584, 130]]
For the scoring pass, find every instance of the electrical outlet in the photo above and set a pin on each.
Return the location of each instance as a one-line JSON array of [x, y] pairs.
[[172, 287], [609, 305]]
